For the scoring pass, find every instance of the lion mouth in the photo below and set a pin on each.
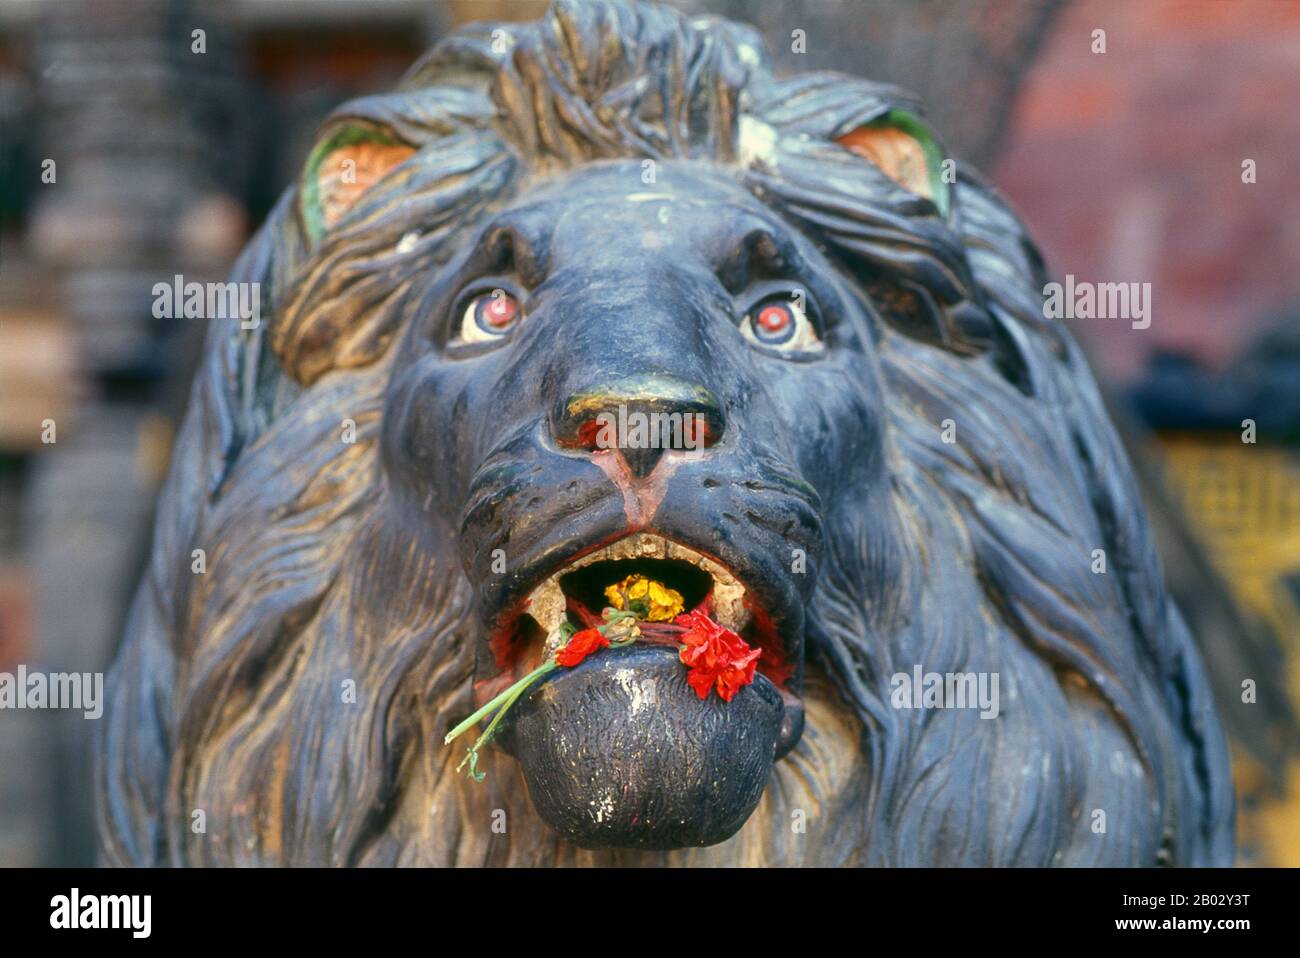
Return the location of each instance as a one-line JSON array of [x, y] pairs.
[[575, 592], [623, 730], [580, 585]]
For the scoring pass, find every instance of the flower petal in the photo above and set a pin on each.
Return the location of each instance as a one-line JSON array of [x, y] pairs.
[[581, 645]]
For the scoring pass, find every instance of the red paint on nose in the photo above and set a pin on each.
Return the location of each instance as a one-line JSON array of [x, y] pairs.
[[642, 495], [587, 435], [696, 433]]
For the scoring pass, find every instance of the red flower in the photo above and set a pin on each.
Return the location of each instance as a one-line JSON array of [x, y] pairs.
[[581, 645], [716, 656]]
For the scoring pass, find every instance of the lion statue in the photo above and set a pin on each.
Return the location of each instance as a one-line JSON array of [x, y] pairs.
[[386, 492]]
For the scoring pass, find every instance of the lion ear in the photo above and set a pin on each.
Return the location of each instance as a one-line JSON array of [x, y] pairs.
[[901, 147], [341, 168]]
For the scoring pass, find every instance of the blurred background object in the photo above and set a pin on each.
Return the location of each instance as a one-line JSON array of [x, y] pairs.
[[140, 139]]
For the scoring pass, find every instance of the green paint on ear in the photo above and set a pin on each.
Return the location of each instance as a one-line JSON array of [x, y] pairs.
[[913, 126], [311, 200]]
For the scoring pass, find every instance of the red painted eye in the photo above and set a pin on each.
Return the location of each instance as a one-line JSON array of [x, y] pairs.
[[497, 312], [489, 315], [781, 322], [774, 320]]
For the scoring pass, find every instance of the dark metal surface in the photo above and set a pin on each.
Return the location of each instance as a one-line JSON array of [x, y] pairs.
[[369, 561]]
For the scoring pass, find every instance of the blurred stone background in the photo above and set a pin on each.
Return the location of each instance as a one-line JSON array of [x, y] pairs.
[[1126, 165]]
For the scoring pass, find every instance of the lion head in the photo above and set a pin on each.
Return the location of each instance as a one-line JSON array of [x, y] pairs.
[[385, 495]]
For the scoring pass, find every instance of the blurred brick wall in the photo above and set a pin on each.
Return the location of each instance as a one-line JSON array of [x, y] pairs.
[[1127, 167]]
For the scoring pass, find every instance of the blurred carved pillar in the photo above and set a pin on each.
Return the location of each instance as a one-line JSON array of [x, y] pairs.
[[130, 112]]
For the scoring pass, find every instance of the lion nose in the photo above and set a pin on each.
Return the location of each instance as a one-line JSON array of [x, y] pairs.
[[639, 419]]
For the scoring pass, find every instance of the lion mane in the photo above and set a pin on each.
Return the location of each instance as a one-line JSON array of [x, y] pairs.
[[288, 704]]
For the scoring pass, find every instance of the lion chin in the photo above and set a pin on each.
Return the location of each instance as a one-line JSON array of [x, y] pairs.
[[620, 751], [870, 455]]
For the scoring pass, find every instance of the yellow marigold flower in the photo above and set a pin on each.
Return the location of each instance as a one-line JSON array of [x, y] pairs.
[[662, 603]]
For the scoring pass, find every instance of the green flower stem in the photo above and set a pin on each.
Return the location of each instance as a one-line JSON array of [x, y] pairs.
[[547, 666], [503, 702], [518, 689]]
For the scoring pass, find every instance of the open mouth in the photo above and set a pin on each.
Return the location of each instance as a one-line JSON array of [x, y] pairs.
[[625, 730], [576, 593]]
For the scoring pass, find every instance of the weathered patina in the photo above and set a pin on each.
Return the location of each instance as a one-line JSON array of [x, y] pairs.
[[902, 466]]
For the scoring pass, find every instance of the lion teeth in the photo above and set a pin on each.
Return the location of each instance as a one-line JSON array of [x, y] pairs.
[[554, 642], [547, 603]]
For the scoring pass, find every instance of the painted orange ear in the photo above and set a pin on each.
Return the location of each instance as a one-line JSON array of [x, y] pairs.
[[901, 148], [898, 155], [340, 170], [350, 171]]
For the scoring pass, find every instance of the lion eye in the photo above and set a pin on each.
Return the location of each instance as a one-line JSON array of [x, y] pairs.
[[781, 322], [489, 316]]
